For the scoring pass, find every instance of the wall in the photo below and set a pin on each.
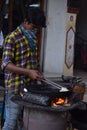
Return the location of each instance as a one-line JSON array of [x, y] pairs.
[[55, 39], [69, 44]]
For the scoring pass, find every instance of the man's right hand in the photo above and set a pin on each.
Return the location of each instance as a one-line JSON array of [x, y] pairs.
[[35, 74]]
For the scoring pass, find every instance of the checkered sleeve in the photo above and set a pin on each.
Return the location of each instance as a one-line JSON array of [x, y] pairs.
[[8, 52]]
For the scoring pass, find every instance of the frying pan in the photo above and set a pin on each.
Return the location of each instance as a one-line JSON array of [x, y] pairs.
[[48, 90]]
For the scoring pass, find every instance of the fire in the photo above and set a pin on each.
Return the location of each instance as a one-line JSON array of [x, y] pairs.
[[58, 101]]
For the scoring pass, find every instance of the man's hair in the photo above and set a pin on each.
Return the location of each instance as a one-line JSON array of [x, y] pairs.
[[35, 16]]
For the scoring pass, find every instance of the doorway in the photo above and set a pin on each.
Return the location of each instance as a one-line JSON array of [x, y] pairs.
[[80, 44], [80, 59]]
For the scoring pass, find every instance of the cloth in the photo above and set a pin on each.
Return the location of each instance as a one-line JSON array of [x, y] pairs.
[[17, 50], [13, 111], [84, 57], [31, 36]]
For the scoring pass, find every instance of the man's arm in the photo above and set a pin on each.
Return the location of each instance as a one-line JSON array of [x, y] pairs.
[[33, 74]]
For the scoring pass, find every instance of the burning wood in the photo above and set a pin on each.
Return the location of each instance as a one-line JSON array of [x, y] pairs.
[[59, 101]]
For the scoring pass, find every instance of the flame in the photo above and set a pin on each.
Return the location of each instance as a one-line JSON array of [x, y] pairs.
[[58, 101]]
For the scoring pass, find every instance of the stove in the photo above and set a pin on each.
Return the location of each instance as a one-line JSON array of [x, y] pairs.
[[39, 111]]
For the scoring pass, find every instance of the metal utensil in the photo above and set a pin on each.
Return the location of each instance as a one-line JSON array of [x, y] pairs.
[[61, 88]]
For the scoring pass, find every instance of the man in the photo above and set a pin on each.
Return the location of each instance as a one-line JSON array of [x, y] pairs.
[[20, 62]]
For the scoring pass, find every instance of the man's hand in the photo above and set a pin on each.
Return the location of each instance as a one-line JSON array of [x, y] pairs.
[[35, 74]]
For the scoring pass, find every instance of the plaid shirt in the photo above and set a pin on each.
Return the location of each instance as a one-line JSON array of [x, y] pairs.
[[18, 52]]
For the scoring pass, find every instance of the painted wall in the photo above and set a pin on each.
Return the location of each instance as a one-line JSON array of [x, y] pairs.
[[55, 39], [69, 44]]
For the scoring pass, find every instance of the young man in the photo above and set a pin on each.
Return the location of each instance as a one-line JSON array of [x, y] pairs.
[[20, 62]]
